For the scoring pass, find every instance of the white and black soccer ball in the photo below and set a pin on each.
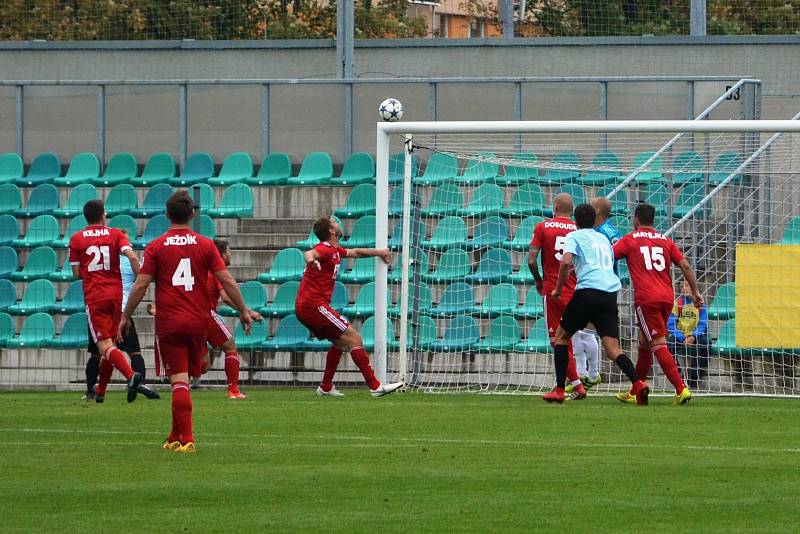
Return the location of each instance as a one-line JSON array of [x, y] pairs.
[[391, 110]]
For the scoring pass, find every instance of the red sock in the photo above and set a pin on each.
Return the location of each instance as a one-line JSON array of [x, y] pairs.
[[232, 370], [181, 412], [118, 360], [361, 360], [644, 361], [667, 362], [106, 368], [331, 363]]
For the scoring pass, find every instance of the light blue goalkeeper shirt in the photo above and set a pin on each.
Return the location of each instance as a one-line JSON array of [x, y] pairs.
[[128, 278], [593, 259]]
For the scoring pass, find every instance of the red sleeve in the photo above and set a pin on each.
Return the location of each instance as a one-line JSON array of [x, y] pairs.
[[538, 236], [622, 247], [342, 251], [215, 263], [149, 266], [74, 258], [675, 253], [123, 243]]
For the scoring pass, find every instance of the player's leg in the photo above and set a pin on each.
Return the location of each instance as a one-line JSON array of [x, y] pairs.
[[554, 310], [573, 319], [640, 391], [350, 340], [654, 318], [130, 345], [579, 350], [175, 350], [591, 349], [325, 326], [644, 358], [103, 322], [220, 337], [92, 370]]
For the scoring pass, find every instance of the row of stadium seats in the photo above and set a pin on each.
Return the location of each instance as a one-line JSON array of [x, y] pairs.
[[40, 296], [44, 199]]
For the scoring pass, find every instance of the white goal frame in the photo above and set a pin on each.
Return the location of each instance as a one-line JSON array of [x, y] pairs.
[[407, 129]]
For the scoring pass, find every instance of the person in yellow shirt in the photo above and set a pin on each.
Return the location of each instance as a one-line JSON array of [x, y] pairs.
[[688, 335]]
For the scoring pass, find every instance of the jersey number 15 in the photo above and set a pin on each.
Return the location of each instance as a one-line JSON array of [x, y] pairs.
[[653, 258]]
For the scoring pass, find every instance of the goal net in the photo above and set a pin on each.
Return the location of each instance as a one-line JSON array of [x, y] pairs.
[[470, 195]]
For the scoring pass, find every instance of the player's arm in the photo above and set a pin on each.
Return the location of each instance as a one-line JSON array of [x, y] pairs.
[[134, 298], [383, 253], [312, 257], [246, 316], [224, 298], [74, 259], [134, 259], [688, 274], [563, 273], [533, 267]]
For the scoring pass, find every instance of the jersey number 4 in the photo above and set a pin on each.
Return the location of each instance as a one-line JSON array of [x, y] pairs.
[[183, 275], [653, 258], [101, 258]]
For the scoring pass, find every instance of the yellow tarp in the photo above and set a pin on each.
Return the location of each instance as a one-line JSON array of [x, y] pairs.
[[767, 296]]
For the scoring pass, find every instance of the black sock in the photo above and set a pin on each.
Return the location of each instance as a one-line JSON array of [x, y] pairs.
[[625, 363], [561, 360], [137, 364], [92, 372]]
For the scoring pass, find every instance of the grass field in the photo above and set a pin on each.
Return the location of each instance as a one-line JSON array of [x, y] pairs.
[[285, 460]]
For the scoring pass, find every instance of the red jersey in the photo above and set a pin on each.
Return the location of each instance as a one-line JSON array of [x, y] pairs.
[[180, 262], [214, 289], [548, 237], [96, 250], [316, 287], [650, 255]]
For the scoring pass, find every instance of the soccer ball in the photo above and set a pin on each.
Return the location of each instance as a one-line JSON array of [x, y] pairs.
[[391, 110]]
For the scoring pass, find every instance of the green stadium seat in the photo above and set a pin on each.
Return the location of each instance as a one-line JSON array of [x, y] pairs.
[[440, 168], [258, 335], [395, 273], [288, 265], [456, 299], [45, 168], [8, 294], [74, 333], [396, 238], [121, 169], [527, 200], [317, 169], [40, 295], [425, 328], [64, 274], [9, 261], [724, 164], [423, 304], [690, 195], [76, 224], [791, 233], [454, 264], [358, 169], [623, 224], [254, 294], [7, 329], [283, 302], [37, 331], [654, 172], [479, 171], [9, 229], [446, 199], [121, 199], [538, 339], [396, 202], [44, 199], [205, 226], [495, 266], [450, 231], [364, 304], [368, 333], [155, 227], [460, 335], [726, 342], [397, 165], [159, 169], [501, 299], [291, 335], [576, 191], [363, 234], [237, 202], [72, 301], [84, 168], [360, 202], [723, 305], [43, 230], [520, 175], [199, 167], [533, 305], [490, 232], [311, 241], [503, 336], [79, 196], [126, 223], [608, 170], [10, 199], [276, 169], [524, 233], [688, 167], [363, 271], [486, 199], [658, 196], [565, 170], [11, 168], [620, 204], [524, 276], [339, 299], [206, 195], [155, 202], [236, 169]]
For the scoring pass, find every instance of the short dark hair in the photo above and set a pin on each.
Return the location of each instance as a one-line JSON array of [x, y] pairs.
[[322, 228], [93, 211], [585, 215], [222, 246], [645, 214], [180, 207]]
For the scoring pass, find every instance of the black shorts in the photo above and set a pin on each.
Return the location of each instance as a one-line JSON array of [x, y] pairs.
[[129, 344], [592, 306]]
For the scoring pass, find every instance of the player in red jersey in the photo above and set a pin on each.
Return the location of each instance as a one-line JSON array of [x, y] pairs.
[[650, 254], [179, 261], [94, 256], [313, 307], [548, 237]]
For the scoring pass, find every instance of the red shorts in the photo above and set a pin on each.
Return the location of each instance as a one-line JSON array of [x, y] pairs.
[[182, 353], [323, 321], [553, 310], [652, 318], [103, 318], [217, 333]]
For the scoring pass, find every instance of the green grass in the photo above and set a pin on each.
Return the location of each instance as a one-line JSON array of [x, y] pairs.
[[286, 460]]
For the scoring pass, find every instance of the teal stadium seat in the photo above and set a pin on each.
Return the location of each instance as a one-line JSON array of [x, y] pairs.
[[317, 169], [490, 232], [494, 267], [503, 336], [620, 204], [79, 196], [518, 175], [533, 306], [154, 203], [44, 199], [126, 223], [486, 199], [460, 335], [199, 167], [8, 294], [76, 224], [11, 168], [396, 272], [360, 202], [84, 168], [688, 167], [43, 230], [236, 202], [9, 261], [396, 238], [446, 199], [339, 299], [396, 202], [364, 304], [37, 331], [791, 233], [449, 232], [606, 170], [691, 194], [258, 335], [72, 301], [424, 301], [10, 199], [424, 331], [658, 196], [74, 334], [524, 276], [524, 233], [723, 305], [501, 299], [155, 227], [456, 299], [397, 164], [358, 169], [288, 265], [576, 191], [205, 193], [368, 333], [724, 164], [291, 335], [538, 339], [121, 169], [236, 169], [203, 225], [283, 302], [654, 172], [276, 169], [254, 294], [45, 168], [64, 274], [39, 296], [440, 168], [363, 234], [454, 264], [121, 199], [7, 329], [478, 170], [527, 200], [565, 169], [159, 169], [363, 271]]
